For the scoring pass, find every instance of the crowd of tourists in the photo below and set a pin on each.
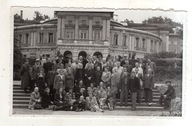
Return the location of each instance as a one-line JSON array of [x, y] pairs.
[[87, 83]]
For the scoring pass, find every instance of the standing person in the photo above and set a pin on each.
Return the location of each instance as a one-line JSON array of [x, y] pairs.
[[124, 85], [168, 95], [148, 86], [41, 81], [59, 64], [109, 64], [128, 66], [151, 65], [35, 100], [97, 76], [50, 80], [119, 70], [142, 65], [69, 79], [59, 81], [25, 75], [35, 70], [79, 73], [114, 82], [134, 86], [139, 74], [97, 63], [106, 76], [47, 67], [88, 75]]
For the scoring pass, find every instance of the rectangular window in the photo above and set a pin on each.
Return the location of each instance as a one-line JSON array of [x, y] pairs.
[[50, 38], [20, 38], [137, 42], [124, 43], [115, 41], [27, 38], [97, 35], [83, 35], [70, 35], [144, 43], [41, 36]]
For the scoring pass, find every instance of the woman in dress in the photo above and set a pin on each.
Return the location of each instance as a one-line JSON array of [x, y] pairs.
[[97, 76], [114, 81], [59, 81]]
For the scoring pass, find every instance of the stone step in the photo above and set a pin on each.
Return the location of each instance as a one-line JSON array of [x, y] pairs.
[[21, 97], [21, 101], [148, 108], [21, 94]]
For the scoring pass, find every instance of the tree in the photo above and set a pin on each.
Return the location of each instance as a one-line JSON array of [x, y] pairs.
[[17, 58], [127, 21], [39, 17], [17, 17]]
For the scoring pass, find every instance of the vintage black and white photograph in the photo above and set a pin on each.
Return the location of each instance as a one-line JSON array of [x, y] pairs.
[[97, 62]]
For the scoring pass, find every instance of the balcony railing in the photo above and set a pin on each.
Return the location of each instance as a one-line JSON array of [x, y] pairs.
[[45, 44], [81, 42], [140, 49]]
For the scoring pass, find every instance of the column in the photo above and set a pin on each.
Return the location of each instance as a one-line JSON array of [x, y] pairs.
[[167, 41], [104, 28], [35, 38], [63, 27], [148, 45], [108, 28], [31, 39], [157, 46], [76, 27], [133, 43], [59, 28], [90, 27], [129, 43]]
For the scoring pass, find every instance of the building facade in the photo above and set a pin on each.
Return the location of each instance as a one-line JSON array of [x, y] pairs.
[[86, 33]]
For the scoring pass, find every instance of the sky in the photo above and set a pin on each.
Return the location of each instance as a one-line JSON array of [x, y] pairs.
[[136, 15]]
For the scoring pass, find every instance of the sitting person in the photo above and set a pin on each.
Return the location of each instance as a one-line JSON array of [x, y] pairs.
[[91, 104], [102, 97], [46, 101], [78, 88], [70, 98], [110, 98], [91, 88], [35, 100], [60, 103], [167, 96], [79, 105]]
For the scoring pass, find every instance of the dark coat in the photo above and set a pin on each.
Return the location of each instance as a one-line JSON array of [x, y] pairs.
[[46, 100], [88, 73], [79, 74], [122, 84], [25, 76], [69, 80], [170, 92], [97, 77], [148, 81], [134, 84], [50, 78], [47, 67], [60, 101]]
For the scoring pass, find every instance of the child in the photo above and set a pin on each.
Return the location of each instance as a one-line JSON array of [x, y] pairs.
[[79, 105]]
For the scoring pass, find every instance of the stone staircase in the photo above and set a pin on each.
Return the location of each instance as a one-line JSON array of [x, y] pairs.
[[21, 100]]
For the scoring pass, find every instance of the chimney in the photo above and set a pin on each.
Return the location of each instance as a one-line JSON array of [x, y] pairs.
[[21, 14]]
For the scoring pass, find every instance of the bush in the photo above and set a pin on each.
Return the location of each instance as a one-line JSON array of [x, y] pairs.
[[162, 55]]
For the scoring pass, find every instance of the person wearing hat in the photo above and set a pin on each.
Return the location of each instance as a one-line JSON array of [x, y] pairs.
[[168, 95]]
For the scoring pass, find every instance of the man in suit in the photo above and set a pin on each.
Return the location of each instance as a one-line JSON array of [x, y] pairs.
[[151, 65], [167, 96], [124, 79], [148, 86], [134, 86]]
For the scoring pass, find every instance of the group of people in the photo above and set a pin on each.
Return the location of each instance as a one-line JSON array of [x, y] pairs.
[[88, 83]]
